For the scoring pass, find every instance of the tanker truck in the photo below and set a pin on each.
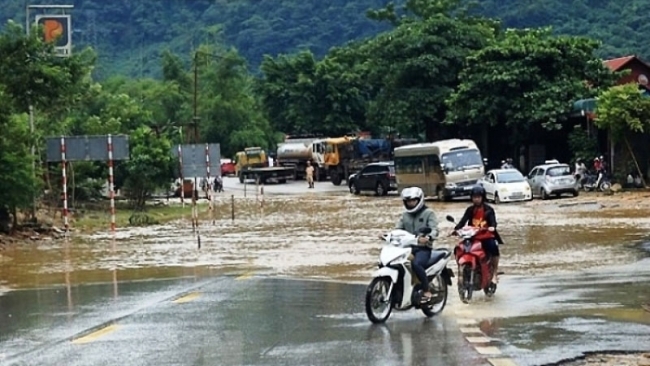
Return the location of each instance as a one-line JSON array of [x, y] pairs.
[[296, 154]]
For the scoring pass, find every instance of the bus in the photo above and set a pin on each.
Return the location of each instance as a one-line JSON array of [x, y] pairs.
[[444, 169]]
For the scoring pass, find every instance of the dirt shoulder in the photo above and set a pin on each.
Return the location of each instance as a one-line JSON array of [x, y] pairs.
[[637, 359]]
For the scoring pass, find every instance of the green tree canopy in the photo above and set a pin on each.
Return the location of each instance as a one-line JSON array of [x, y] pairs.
[[526, 79], [623, 109]]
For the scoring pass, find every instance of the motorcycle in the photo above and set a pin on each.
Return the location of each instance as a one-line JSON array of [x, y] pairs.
[[589, 183], [394, 284], [475, 268]]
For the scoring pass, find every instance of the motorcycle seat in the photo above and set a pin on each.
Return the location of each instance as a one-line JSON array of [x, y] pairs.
[[436, 256]]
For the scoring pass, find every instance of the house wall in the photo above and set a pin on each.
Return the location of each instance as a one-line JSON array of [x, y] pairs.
[[637, 69]]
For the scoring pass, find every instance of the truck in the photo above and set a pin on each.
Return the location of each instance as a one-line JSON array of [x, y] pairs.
[[252, 163], [295, 153], [347, 155]]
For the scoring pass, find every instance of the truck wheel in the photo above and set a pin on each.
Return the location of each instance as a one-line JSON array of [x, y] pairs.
[[282, 181], [336, 179]]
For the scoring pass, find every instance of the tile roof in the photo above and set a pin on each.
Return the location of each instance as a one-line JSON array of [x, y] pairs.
[[617, 63]]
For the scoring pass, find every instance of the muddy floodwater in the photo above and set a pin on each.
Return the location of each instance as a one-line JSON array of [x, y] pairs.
[[331, 236]]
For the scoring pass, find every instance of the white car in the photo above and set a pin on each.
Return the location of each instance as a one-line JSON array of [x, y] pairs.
[[506, 185]]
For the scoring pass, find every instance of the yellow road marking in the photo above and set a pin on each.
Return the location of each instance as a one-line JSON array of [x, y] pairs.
[[488, 350], [466, 322], [245, 276], [471, 330], [187, 298], [478, 339], [502, 362], [95, 335]]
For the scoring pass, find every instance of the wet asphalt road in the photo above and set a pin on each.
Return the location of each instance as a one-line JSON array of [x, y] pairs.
[[220, 321], [249, 320]]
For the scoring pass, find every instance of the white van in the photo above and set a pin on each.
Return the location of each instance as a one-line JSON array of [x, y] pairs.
[[444, 169]]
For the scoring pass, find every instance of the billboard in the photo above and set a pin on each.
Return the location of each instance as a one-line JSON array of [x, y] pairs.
[[57, 29]]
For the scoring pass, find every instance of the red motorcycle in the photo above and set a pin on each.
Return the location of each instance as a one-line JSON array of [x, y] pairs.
[[475, 269]]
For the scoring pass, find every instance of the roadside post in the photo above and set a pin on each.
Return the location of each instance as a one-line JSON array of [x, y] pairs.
[[65, 149]]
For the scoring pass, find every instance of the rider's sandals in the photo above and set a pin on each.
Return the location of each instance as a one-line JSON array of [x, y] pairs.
[[425, 299]]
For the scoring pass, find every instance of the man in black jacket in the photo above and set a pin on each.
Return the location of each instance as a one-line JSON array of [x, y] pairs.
[[482, 215]]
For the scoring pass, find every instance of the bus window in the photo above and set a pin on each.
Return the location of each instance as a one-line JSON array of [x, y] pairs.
[[408, 165], [433, 163]]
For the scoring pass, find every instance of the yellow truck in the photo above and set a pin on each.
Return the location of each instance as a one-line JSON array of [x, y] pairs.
[[253, 163], [347, 155]]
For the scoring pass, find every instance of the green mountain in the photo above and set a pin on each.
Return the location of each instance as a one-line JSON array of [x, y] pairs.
[[130, 35]]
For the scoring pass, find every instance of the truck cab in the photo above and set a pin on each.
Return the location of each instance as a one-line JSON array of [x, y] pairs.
[[251, 157]]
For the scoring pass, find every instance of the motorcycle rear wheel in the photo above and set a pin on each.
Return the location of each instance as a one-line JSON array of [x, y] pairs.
[[375, 285]]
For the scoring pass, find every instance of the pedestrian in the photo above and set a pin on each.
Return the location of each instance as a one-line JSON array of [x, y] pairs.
[[310, 174]]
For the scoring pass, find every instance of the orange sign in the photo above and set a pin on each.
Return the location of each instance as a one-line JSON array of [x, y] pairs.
[[56, 29]]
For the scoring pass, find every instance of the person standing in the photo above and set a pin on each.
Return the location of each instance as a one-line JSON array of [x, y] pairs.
[[310, 174]]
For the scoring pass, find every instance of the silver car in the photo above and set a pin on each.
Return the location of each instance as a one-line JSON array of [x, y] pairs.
[[552, 179]]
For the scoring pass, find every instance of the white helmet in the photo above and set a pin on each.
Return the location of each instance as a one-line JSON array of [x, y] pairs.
[[413, 193]]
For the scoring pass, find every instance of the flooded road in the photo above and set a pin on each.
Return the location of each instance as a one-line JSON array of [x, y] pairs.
[[323, 236]]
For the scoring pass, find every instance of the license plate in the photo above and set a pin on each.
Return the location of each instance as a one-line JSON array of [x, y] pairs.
[[469, 188]]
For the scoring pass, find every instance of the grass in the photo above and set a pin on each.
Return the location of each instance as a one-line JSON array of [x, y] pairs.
[[91, 220]]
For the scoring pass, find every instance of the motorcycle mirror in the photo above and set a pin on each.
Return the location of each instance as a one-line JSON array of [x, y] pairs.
[[450, 218]]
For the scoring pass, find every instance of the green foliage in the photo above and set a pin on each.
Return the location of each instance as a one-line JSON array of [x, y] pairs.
[[622, 109], [149, 167], [527, 79], [397, 81], [17, 182], [582, 145]]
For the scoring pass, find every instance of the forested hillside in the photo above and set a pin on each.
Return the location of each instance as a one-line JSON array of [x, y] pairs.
[[129, 35]]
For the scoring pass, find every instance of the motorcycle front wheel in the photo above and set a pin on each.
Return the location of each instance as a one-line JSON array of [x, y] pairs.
[[438, 288], [378, 302], [466, 288]]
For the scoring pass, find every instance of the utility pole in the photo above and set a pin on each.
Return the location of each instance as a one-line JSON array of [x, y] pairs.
[[195, 118]]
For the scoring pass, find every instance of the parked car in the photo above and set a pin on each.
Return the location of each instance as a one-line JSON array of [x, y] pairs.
[[552, 178], [227, 167], [506, 185], [377, 177]]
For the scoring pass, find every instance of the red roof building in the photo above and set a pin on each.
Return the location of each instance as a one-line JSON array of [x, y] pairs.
[[639, 69]]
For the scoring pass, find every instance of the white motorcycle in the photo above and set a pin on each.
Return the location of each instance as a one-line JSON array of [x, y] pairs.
[[394, 284]]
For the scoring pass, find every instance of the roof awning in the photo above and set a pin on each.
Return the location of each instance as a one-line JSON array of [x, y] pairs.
[[583, 107]]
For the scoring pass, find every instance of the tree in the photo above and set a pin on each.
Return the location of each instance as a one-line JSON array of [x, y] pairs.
[[623, 109], [34, 75], [527, 79], [226, 103], [149, 166], [17, 184], [287, 92], [417, 65]]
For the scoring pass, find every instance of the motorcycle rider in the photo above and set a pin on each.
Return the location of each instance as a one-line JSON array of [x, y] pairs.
[[482, 215], [415, 217]]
